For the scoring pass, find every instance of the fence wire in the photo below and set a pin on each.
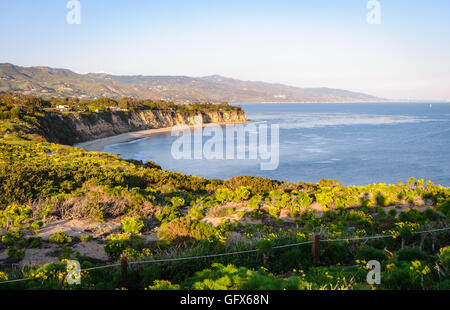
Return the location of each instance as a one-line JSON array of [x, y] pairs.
[[236, 253]]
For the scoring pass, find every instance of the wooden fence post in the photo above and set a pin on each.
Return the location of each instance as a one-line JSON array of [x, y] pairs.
[[433, 238], [316, 247], [422, 240], [265, 259], [124, 269]]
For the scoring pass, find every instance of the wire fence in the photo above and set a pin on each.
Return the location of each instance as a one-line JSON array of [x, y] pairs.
[[238, 252]]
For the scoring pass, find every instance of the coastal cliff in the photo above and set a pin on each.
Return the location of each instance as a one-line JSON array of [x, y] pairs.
[[95, 126], [72, 120]]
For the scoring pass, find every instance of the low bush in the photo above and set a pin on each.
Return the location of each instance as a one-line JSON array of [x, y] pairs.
[[132, 225], [410, 254], [60, 238], [185, 228], [370, 253], [444, 257], [16, 253], [119, 243], [230, 277]]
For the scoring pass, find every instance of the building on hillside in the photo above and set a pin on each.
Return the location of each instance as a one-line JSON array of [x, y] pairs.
[[63, 108], [115, 109]]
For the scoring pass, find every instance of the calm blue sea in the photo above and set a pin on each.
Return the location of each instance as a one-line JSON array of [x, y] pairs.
[[356, 143]]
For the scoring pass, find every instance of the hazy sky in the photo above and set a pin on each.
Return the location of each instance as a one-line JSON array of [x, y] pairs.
[[301, 43]]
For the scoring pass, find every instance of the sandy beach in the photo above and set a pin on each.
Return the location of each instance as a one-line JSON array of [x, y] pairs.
[[98, 145]]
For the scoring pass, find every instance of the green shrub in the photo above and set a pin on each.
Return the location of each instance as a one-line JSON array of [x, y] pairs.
[[60, 238], [303, 199], [384, 200], [177, 202], [118, 243], [36, 225], [265, 246], [445, 285], [370, 253], [411, 254], [87, 238], [392, 212], [16, 253], [431, 215], [444, 257], [162, 285], [257, 215], [132, 253], [297, 257], [337, 253], [132, 225], [254, 202], [398, 278], [274, 211], [444, 206], [257, 184], [411, 215], [13, 216], [224, 195], [34, 242], [242, 193], [185, 228], [11, 237], [230, 277], [197, 212], [114, 248], [65, 253]]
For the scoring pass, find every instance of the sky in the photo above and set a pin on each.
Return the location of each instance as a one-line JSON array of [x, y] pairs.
[[314, 43]]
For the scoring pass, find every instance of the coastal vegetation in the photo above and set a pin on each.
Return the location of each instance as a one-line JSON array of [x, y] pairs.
[[72, 120], [161, 218]]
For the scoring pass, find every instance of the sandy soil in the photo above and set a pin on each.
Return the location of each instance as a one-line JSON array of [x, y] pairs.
[[77, 228], [49, 253], [91, 249], [98, 145], [152, 237], [73, 228], [37, 257]]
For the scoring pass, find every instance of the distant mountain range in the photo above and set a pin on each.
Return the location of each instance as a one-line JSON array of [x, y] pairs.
[[45, 81]]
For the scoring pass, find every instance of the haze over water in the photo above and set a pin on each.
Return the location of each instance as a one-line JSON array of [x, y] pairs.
[[355, 143]]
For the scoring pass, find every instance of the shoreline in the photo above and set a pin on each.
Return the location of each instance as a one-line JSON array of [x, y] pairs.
[[97, 145]]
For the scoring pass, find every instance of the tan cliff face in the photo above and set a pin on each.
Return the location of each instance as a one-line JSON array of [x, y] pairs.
[[95, 126]]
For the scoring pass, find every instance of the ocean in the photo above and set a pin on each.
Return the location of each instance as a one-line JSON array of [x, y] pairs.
[[355, 143]]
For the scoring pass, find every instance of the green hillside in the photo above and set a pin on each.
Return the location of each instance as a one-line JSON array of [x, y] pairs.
[[44, 81]]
